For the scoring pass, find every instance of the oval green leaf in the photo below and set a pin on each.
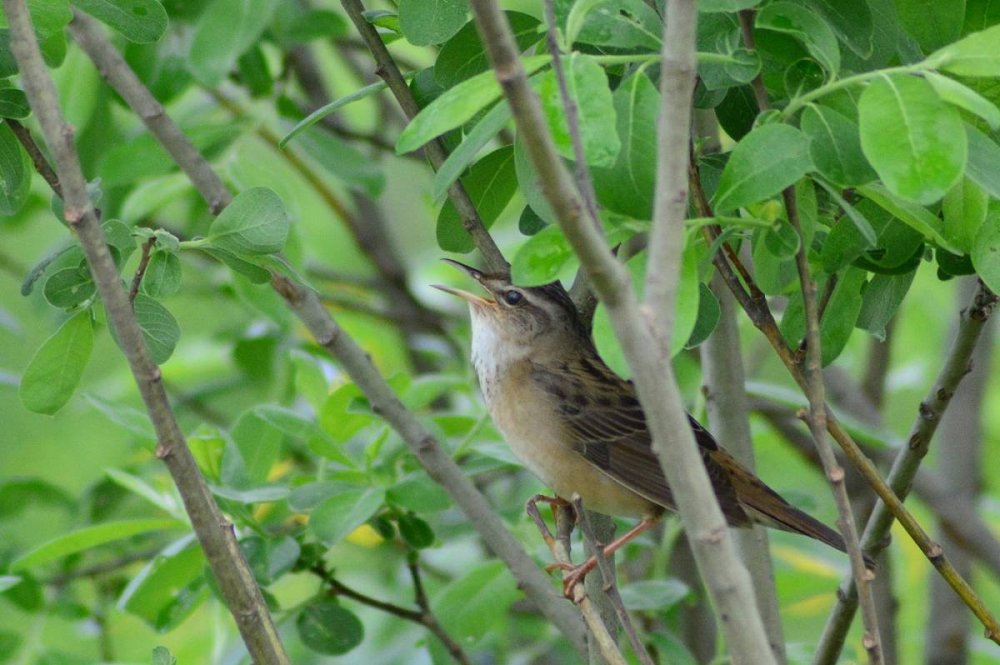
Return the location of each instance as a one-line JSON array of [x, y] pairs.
[[140, 21], [159, 327], [254, 223], [766, 161], [336, 517], [328, 627], [87, 538], [55, 370], [914, 140]]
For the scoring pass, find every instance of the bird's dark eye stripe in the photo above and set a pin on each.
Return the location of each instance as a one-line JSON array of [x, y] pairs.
[[512, 296]]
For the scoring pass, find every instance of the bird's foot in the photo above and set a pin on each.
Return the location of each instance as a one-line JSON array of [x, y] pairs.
[[575, 575]]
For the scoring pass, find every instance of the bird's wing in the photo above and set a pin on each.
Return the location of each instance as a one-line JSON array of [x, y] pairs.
[[602, 413]]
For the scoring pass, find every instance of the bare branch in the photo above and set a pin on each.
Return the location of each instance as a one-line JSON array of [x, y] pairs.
[[727, 579], [904, 468], [816, 393], [214, 531]]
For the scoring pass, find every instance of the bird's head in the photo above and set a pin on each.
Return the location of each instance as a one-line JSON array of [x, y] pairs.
[[524, 321]]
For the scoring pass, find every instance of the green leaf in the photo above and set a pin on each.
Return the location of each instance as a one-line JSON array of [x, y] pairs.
[[863, 226], [462, 56], [426, 22], [328, 627], [132, 420], [975, 55], [984, 155], [964, 97], [986, 251], [140, 21], [932, 23], [471, 605], [344, 162], [254, 223], [15, 173], [840, 314], [162, 656], [169, 587], [159, 327], [623, 24], [342, 513], [708, 317], [55, 370], [490, 183], [767, 160], [163, 275], [457, 105], [222, 33], [416, 532], [915, 216], [88, 538], [460, 158], [835, 147], [627, 187], [807, 27], [881, 299], [587, 85], [336, 416], [68, 287], [852, 21], [542, 258], [912, 138], [964, 208], [13, 104], [726, 5], [327, 109], [417, 492], [658, 595], [259, 444]]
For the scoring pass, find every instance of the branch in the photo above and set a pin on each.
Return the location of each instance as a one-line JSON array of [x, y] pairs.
[[427, 450], [559, 545], [436, 152], [23, 135], [214, 531], [722, 371], [816, 393], [642, 342], [904, 469], [958, 517], [140, 270], [424, 617], [610, 588]]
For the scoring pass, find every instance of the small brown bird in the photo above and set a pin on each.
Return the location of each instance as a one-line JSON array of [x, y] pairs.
[[579, 427]]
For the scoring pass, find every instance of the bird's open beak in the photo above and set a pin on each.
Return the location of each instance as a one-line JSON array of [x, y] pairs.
[[465, 295]]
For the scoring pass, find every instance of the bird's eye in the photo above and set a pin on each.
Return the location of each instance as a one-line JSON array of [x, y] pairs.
[[512, 296]]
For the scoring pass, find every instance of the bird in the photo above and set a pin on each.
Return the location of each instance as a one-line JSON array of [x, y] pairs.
[[580, 428]]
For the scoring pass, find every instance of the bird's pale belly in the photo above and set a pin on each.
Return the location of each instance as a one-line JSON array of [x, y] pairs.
[[531, 428]]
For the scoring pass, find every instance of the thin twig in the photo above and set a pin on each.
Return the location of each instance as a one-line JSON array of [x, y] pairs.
[[42, 166], [140, 270], [559, 545], [610, 586], [727, 580], [214, 531], [424, 616], [816, 393], [438, 464], [388, 71], [972, 322]]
